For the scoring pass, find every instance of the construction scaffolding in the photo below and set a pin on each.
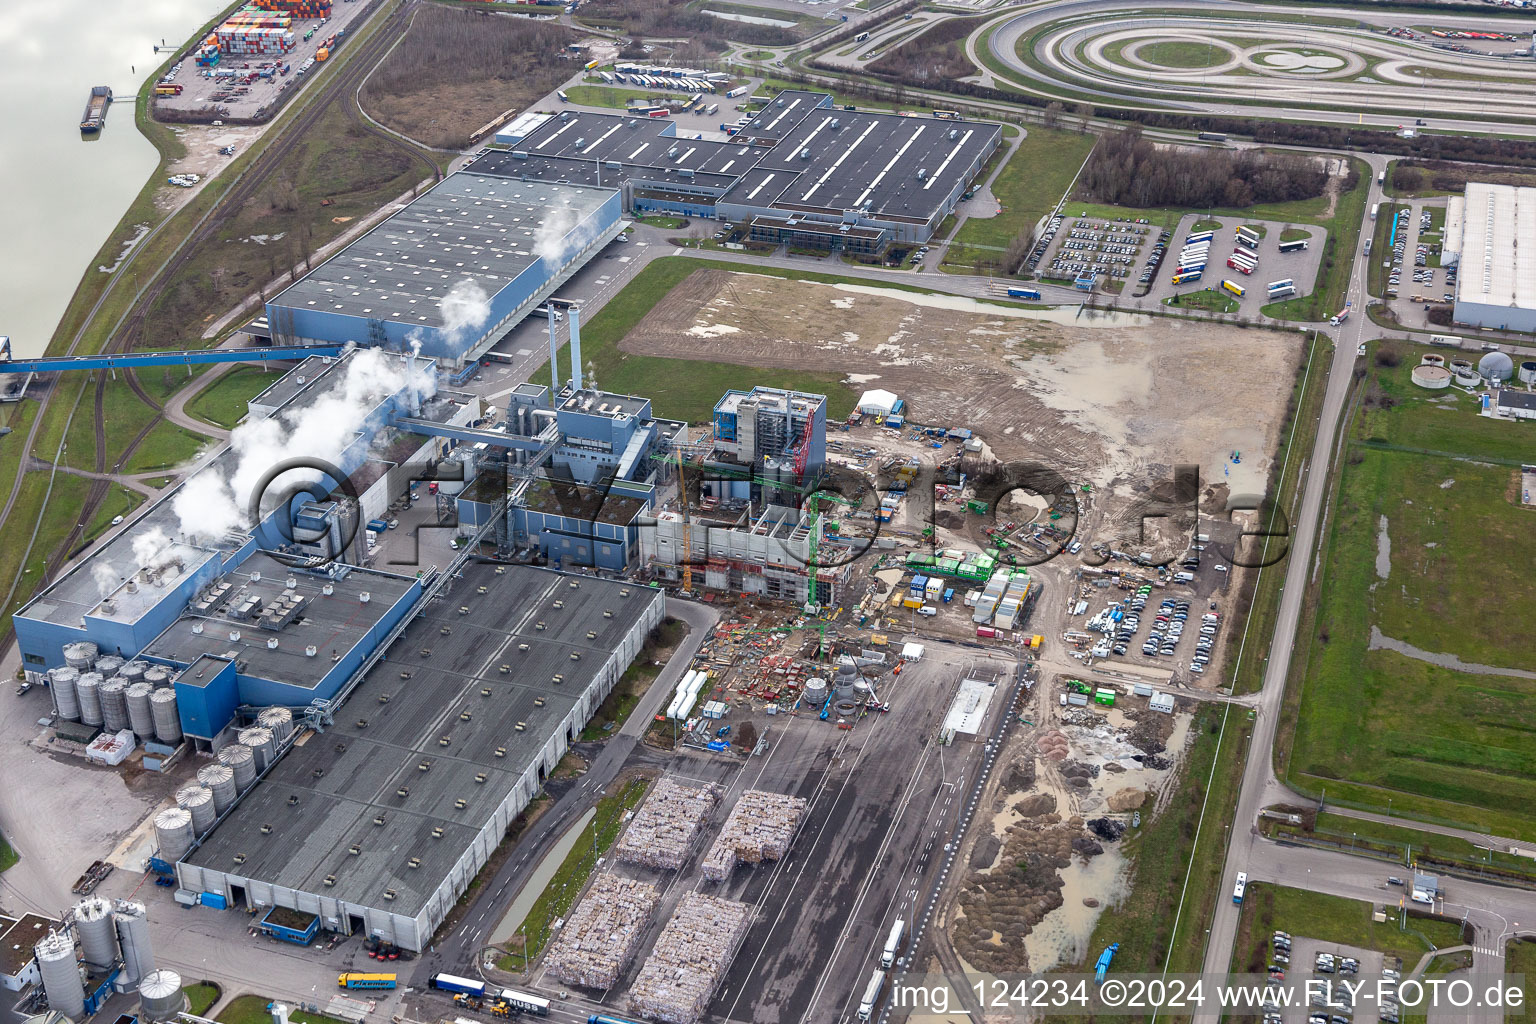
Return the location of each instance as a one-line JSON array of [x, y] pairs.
[[690, 959], [663, 831], [601, 936], [760, 828]]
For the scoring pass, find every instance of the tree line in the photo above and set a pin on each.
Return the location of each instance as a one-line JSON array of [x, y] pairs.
[[1129, 170]]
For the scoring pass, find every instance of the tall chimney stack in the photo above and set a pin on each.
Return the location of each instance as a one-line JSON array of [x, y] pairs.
[[554, 362], [575, 347]]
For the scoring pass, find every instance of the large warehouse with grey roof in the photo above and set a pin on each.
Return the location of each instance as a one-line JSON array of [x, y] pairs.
[[801, 170], [1495, 275], [377, 825]]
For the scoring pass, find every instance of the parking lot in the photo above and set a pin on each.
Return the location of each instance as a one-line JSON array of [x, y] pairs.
[[1272, 265], [243, 88], [1411, 293], [1301, 960], [1073, 248]]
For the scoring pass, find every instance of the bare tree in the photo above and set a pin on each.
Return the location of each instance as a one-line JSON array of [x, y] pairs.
[[1052, 116], [1084, 112]]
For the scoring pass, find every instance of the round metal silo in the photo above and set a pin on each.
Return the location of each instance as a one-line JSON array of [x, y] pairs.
[[280, 721], [815, 692], [167, 719], [157, 675], [173, 833], [133, 670], [114, 705], [197, 800], [132, 922], [93, 926], [160, 997], [63, 681], [61, 975], [241, 761], [88, 689], [81, 655], [141, 717], [1528, 372], [221, 779], [108, 664], [262, 745]]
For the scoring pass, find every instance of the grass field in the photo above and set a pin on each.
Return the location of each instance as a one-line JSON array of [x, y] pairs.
[[1376, 725], [606, 96], [253, 1010], [8, 857], [120, 501], [200, 997], [1521, 960], [224, 402], [1212, 300], [1268, 908], [1408, 845], [682, 388], [1030, 185], [1182, 54], [571, 878], [166, 446]]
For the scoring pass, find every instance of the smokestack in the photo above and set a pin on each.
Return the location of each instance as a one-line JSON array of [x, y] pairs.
[[554, 362], [575, 347]]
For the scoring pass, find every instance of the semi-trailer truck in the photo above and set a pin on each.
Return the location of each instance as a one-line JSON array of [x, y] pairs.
[[893, 943], [871, 994], [1023, 293], [453, 983]]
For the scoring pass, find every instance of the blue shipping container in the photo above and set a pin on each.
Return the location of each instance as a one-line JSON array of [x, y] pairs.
[[215, 900]]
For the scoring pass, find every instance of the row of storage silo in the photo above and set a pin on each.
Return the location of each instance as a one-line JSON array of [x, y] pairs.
[[113, 694], [108, 932]]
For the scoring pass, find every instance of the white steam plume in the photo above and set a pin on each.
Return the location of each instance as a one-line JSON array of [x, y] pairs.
[[465, 310], [106, 577], [211, 504], [560, 236]]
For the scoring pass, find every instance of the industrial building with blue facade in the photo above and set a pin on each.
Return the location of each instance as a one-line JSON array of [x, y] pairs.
[[801, 171], [454, 270]]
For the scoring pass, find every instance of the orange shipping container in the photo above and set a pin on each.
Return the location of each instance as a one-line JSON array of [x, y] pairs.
[[322, 53]]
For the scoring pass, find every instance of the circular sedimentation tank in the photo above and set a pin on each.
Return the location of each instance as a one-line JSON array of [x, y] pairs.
[[221, 779], [1466, 378], [62, 681], [1528, 372], [173, 833], [1433, 359], [114, 705], [197, 800], [241, 761], [1433, 377], [167, 719]]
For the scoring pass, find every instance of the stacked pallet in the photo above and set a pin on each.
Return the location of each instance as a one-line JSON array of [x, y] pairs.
[[664, 829], [600, 938], [759, 828], [690, 959]]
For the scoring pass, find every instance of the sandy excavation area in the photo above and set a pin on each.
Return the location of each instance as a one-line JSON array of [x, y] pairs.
[[1114, 401]]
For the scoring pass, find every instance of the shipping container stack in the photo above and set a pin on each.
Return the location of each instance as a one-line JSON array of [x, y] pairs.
[[297, 8], [238, 41], [208, 56], [258, 19]]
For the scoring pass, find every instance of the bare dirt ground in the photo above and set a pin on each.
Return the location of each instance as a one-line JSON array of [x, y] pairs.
[[203, 158], [1115, 405]]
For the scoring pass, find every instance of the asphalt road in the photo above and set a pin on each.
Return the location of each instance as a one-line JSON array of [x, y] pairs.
[[1260, 786]]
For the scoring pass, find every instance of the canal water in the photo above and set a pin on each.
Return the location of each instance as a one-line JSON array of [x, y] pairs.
[[60, 196]]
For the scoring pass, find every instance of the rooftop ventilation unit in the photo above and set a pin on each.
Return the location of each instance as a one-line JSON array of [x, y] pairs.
[[364, 597], [390, 894], [310, 651], [330, 880], [414, 862]]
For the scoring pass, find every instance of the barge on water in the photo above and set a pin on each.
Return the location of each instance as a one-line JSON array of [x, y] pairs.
[[96, 109]]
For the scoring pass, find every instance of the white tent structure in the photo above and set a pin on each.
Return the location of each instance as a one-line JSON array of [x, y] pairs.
[[877, 403]]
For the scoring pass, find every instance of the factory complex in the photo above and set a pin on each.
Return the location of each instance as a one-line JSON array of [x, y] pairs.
[[1496, 276], [802, 171]]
